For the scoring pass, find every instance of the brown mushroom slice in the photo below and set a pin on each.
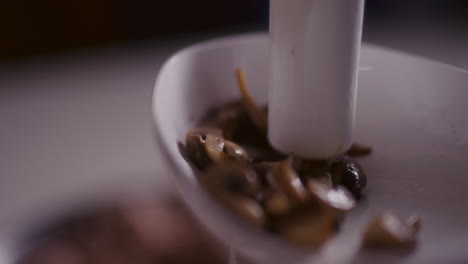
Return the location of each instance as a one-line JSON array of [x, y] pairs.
[[317, 170], [286, 179], [205, 146], [245, 207], [235, 185], [214, 148], [389, 231], [231, 177], [195, 150], [195, 145], [277, 203], [309, 229], [235, 151], [257, 114], [358, 150], [338, 199], [349, 173]]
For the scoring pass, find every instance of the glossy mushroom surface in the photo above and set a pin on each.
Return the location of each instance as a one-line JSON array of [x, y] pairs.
[[206, 146], [303, 201]]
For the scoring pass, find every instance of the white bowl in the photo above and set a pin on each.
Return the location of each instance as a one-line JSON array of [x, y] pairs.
[[412, 111]]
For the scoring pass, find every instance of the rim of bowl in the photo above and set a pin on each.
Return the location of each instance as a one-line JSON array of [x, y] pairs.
[[269, 241]]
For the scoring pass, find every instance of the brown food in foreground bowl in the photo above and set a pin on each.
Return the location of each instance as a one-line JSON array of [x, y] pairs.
[[154, 232], [303, 201]]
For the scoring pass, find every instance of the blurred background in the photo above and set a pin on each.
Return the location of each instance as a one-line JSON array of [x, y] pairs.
[[30, 27]]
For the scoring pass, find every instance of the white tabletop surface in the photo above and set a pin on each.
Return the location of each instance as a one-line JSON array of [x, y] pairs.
[[78, 125]]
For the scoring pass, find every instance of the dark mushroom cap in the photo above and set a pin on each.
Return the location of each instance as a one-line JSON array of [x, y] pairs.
[[349, 174]]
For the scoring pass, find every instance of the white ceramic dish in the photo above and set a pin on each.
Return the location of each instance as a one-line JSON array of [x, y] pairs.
[[412, 111]]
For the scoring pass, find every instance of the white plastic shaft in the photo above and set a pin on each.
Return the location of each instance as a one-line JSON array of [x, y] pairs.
[[314, 63]]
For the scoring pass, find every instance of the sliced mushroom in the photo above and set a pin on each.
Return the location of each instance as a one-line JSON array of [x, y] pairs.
[[219, 150], [206, 146], [336, 200], [237, 125], [235, 151], [286, 179], [313, 223], [317, 170], [245, 207], [348, 173], [236, 185], [196, 151], [389, 231], [231, 177], [277, 203], [308, 229], [214, 146], [357, 150]]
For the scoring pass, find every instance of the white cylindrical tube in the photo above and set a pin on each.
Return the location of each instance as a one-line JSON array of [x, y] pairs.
[[314, 63]]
